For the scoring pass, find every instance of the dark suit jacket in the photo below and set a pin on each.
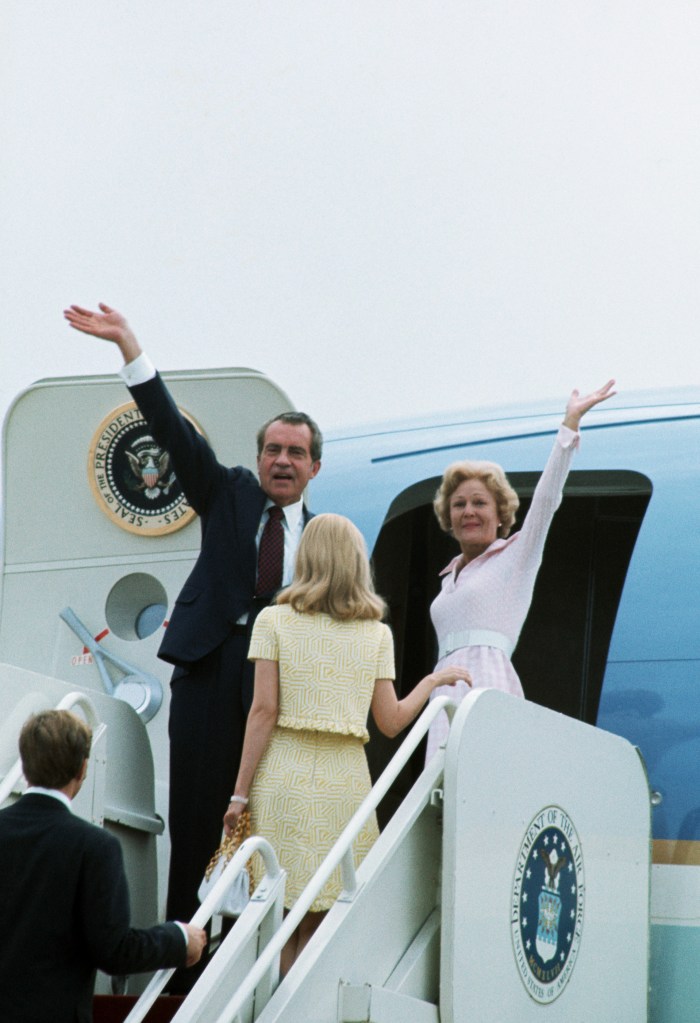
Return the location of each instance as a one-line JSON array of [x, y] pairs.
[[230, 502], [64, 912]]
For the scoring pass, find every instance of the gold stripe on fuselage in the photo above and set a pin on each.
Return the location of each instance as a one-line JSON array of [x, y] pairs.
[[676, 852]]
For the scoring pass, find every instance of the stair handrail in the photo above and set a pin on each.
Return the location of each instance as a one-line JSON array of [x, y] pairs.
[[210, 906], [256, 843], [337, 856], [70, 700]]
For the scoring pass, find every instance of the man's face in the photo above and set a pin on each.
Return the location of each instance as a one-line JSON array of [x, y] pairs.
[[285, 465]]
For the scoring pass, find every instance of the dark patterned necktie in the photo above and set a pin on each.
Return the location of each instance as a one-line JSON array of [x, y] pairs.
[[271, 553]]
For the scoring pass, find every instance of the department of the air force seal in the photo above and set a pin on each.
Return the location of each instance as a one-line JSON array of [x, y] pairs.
[[131, 476], [547, 904]]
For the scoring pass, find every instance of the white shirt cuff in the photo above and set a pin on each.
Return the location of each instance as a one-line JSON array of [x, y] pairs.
[[138, 371], [568, 438], [183, 929]]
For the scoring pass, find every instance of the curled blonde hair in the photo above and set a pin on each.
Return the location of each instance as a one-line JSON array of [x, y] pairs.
[[494, 479], [332, 573]]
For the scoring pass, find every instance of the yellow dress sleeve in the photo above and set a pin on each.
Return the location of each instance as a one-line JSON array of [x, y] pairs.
[[385, 655], [264, 644]]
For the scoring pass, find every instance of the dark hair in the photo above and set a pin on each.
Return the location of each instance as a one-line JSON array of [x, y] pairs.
[[53, 746], [295, 419]]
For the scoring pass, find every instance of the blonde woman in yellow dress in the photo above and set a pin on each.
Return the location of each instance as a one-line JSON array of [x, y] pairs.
[[323, 659]]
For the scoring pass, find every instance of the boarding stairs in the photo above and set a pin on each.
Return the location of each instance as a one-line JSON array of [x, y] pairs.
[[432, 927]]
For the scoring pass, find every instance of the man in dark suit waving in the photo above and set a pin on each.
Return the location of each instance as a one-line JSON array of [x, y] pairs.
[[250, 531], [64, 901]]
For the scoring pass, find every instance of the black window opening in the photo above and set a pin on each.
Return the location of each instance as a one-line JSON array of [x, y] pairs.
[[563, 647]]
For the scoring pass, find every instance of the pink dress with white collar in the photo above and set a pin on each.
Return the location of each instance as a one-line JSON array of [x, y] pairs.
[[479, 614]]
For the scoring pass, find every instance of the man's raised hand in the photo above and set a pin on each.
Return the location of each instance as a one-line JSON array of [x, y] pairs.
[[107, 324]]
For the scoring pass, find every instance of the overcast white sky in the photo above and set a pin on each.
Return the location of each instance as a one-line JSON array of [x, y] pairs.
[[387, 205]]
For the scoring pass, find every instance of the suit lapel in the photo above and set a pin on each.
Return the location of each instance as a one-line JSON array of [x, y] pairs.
[[248, 515]]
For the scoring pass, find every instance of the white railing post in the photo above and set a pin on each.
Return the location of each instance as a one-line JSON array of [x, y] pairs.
[[210, 906], [347, 867]]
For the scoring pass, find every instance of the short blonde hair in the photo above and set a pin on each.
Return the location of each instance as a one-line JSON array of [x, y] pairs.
[[494, 479], [332, 573]]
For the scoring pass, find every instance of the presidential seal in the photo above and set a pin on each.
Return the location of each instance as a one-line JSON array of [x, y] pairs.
[[547, 904], [131, 477]]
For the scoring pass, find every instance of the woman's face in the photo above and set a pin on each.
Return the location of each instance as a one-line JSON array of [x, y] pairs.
[[473, 517]]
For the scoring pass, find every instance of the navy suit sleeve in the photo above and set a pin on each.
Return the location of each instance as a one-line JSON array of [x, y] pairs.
[[112, 944], [192, 458]]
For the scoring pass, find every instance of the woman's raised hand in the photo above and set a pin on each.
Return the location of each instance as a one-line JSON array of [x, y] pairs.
[[577, 406]]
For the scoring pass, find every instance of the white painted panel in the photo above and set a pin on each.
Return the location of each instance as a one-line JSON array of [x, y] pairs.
[[508, 760]]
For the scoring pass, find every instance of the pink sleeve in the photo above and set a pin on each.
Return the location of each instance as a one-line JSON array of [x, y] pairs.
[[548, 493]]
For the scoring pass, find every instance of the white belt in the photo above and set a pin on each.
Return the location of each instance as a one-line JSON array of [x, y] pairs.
[[475, 637]]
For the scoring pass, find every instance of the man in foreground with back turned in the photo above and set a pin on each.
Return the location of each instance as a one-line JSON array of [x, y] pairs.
[[64, 900], [250, 532]]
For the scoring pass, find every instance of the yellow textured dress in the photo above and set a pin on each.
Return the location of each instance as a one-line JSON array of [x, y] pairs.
[[313, 774]]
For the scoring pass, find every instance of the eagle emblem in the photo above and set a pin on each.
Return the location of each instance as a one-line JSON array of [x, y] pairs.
[[547, 904], [149, 468], [132, 476]]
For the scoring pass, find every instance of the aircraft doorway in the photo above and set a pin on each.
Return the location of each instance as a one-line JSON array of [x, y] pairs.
[[563, 647]]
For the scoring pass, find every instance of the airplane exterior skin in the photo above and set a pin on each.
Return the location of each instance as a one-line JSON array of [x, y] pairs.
[[612, 636]]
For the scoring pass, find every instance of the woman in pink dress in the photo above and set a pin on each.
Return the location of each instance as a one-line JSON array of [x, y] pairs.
[[487, 588]]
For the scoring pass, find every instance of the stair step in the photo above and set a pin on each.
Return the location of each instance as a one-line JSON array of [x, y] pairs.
[[115, 1008]]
